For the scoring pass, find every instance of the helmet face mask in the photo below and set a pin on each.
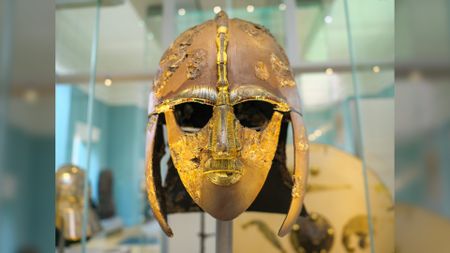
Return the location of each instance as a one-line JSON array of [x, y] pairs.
[[223, 160], [223, 120]]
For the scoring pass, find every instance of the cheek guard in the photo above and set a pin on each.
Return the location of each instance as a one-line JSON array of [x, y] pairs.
[[225, 167]]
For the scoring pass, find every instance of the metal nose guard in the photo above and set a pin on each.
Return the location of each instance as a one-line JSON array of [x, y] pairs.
[[224, 143], [224, 167]]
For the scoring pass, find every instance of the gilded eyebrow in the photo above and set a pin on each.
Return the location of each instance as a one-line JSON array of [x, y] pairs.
[[250, 92], [208, 95], [199, 92]]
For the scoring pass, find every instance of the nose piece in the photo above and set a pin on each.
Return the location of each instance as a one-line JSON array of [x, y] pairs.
[[224, 167], [224, 143]]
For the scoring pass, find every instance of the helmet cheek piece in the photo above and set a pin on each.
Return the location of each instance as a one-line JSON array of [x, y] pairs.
[[153, 173], [301, 158]]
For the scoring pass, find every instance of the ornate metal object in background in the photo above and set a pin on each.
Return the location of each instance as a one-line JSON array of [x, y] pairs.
[[267, 233], [226, 94], [312, 234], [355, 234], [335, 199], [106, 207], [69, 204]]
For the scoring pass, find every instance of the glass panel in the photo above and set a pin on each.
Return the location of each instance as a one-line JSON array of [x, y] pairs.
[[73, 35], [422, 126], [345, 80], [371, 48], [76, 135]]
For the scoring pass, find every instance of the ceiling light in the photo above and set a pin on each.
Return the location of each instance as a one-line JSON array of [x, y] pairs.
[[217, 9], [328, 19], [376, 69], [329, 71], [108, 82], [250, 8], [318, 132], [282, 7], [181, 12]]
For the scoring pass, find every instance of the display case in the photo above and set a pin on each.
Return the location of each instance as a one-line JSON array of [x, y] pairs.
[[342, 55]]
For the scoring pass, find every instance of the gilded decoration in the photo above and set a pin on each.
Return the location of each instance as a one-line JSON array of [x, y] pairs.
[[303, 145], [282, 71], [254, 30], [208, 96], [298, 187], [215, 152], [175, 55], [223, 158], [261, 71], [196, 63], [193, 153], [220, 159]]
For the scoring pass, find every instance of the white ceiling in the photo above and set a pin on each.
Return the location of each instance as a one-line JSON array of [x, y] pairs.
[[126, 47], [122, 41], [129, 46]]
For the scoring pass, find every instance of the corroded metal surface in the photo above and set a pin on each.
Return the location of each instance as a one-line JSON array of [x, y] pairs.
[[223, 163], [196, 63], [253, 58], [261, 71], [282, 71]]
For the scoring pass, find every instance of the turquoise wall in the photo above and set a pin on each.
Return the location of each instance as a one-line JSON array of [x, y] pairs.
[[25, 199], [126, 150], [120, 148], [62, 124], [428, 156]]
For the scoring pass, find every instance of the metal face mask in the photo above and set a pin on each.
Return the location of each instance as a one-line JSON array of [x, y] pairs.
[[223, 89]]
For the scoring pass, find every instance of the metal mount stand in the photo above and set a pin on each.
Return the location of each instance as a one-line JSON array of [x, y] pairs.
[[224, 236], [203, 235]]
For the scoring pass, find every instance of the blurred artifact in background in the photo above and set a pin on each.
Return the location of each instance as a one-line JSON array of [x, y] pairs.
[[106, 207], [226, 94], [338, 220], [419, 229], [69, 205]]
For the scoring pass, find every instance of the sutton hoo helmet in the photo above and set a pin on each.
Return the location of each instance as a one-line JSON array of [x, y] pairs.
[[226, 93]]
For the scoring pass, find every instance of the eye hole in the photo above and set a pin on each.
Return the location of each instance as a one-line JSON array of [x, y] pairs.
[[191, 117], [254, 114]]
